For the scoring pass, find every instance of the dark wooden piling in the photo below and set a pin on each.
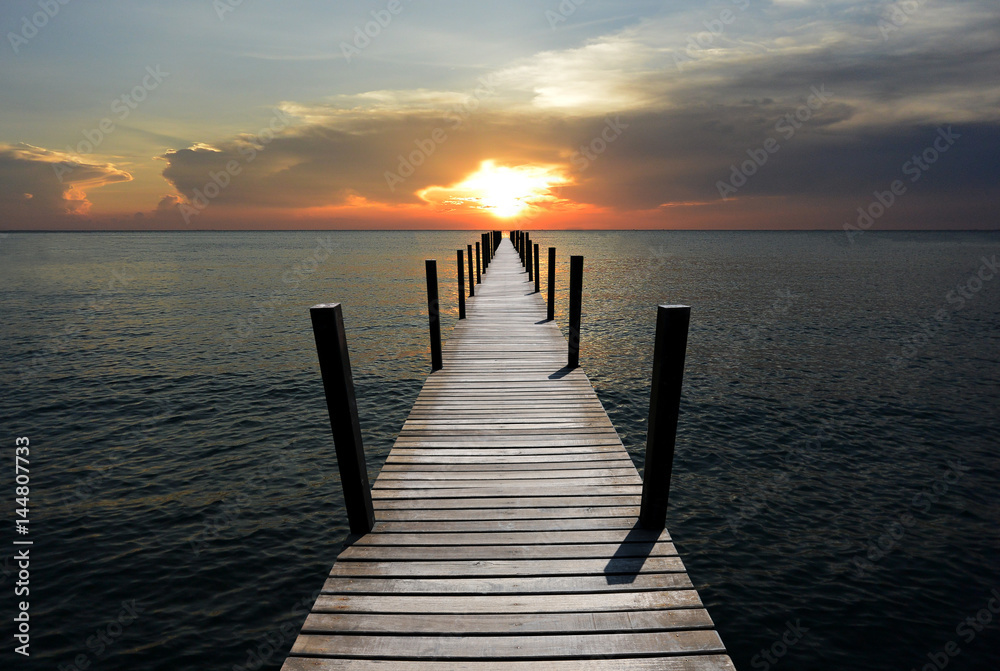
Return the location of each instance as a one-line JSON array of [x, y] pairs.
[[538, 285], [479, 266], [433, 312], [575, 308], [338, 384], [461, 284], [527, 258], [472, 274], [552, 284], [664, 405]]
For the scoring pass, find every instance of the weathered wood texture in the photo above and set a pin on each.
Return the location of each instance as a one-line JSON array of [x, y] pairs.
[[506, 532]]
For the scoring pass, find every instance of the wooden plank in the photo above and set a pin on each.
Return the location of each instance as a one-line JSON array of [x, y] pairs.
[[604, 551], [507, 603], [499, 623], [517, 647], [491, 513], [474, 500], [690, 663], [534, 585], [514, 537], [536, 489], [507, 568], [424, 526], [540, 481]]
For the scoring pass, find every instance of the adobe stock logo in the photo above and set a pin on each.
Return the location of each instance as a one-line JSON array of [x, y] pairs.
[[914, 168], [788, 124]]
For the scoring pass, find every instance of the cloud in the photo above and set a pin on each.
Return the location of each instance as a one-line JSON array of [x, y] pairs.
[[653, 117], [40, 183]]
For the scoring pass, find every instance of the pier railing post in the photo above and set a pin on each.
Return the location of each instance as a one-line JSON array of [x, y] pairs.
[[538, 285], [552, 284], [575, 308], [527, 258], [461, 284], [433, 313], [338, 384], [472, 274], [664, 404], [480, 260]]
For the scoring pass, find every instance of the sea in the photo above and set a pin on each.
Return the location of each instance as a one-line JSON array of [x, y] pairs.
[[835, 486]]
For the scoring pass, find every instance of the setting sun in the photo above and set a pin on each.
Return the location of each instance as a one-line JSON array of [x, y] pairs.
[[500, 190]]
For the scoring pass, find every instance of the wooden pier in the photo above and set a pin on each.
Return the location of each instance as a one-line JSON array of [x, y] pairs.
[[506, 528]]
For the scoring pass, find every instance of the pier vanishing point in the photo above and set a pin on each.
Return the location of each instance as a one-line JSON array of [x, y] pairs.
[[506, 519]]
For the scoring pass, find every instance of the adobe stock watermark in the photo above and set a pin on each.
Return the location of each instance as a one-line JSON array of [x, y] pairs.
[[292, 277], [589, 152], [363, 35], [968, 629], [881, 546], [274, 640], [787, 126], [757, 498], [714, 29], [562, 13], [106, 636], [754, 333], [236, 503], [426, 147], [223, 7], [121, 107], [896, 16], [38, 20], [218, 181], [771, 655], [914, 168], [957, 297], [87, 311]]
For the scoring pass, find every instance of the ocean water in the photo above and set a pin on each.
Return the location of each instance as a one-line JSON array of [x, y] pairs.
[[837, 468]]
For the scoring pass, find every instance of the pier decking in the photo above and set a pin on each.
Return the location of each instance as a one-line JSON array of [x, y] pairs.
[[506, 532]]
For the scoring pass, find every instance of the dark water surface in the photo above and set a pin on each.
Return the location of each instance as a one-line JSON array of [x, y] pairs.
[[837, 466]]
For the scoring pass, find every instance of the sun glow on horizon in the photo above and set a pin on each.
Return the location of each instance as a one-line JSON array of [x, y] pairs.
[[500, 190]]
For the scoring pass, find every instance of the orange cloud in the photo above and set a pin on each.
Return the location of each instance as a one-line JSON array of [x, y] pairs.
[[40, 183]]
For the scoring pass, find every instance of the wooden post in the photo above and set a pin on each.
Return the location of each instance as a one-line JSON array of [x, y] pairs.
[[433, 312], [575, 307], [479, 266], [664, 404], [538, 285], [552, 284], [472, 274], [461, 284], [527, 257], [338, 384]]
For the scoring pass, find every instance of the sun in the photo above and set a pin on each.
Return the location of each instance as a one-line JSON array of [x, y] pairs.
[[500, 190]]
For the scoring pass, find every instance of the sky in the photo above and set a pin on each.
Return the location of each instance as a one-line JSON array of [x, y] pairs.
[[734, 114]]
